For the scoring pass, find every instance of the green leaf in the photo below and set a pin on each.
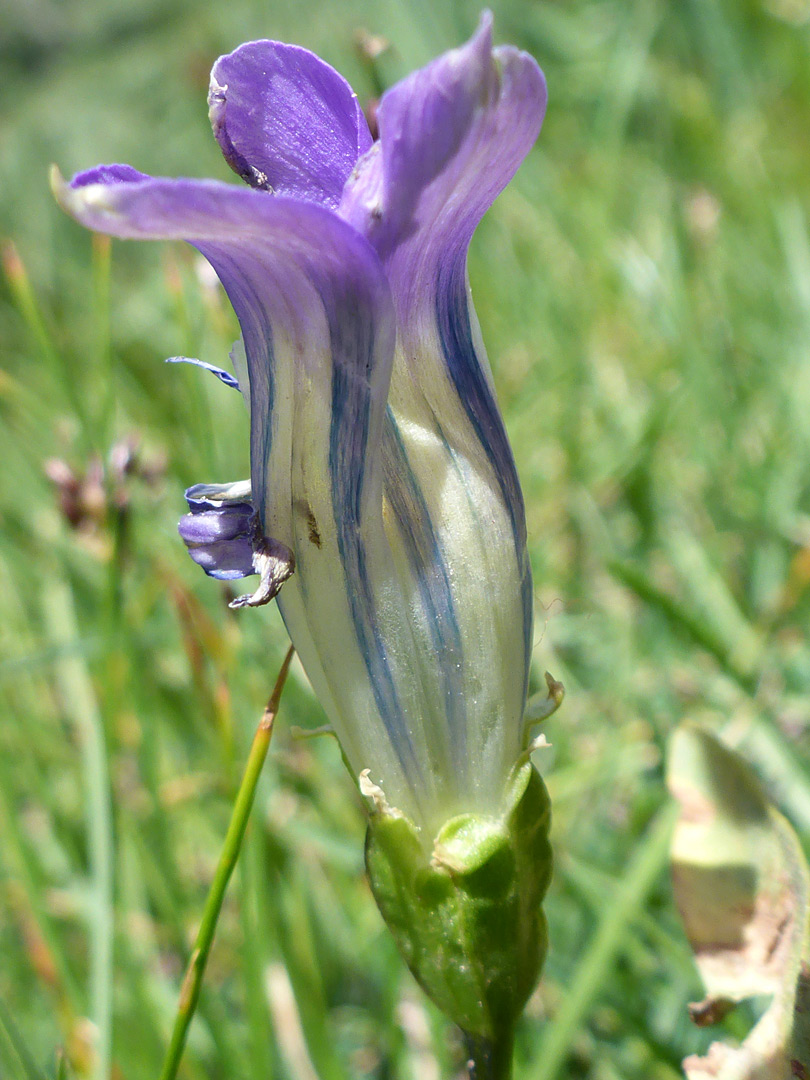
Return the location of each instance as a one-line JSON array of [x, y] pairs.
[[743, 890]]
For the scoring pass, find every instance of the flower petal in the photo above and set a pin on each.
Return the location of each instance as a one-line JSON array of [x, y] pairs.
[[451, 138], [286, 121], [318, 331], [220, 530]]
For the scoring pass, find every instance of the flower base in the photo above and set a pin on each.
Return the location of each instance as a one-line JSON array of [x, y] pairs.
[[467, 916]]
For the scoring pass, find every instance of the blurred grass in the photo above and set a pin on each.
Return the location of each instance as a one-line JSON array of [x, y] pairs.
[[644, 289]]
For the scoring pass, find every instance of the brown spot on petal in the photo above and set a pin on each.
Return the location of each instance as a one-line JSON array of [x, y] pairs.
[[312, 529]]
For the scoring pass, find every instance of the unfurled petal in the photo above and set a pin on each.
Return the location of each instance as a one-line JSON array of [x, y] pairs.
[[318, 331], [451, 137], [300, 280], [286, 121]]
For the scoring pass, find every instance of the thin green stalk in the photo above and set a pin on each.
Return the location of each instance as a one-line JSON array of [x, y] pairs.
[[101, 266], [192, 982], [23, 293], [80, 703], [594, 967], [29, 308], [489, 1060]]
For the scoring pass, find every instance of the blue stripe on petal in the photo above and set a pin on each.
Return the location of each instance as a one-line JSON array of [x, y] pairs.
[[348, 448], [256, 329], [474, 390], [431, 576]]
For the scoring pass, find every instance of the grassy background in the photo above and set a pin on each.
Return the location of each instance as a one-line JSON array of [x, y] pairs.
[[644, 289]]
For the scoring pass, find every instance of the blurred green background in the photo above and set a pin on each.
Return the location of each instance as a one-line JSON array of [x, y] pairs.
[[644, 290]]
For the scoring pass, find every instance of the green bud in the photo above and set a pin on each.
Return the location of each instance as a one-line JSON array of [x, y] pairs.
[[466, 916]]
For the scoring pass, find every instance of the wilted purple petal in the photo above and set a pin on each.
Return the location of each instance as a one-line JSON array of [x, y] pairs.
[[286, 121], [220, 531]]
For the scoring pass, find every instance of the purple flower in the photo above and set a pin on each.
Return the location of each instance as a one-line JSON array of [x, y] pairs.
[[380, 468]]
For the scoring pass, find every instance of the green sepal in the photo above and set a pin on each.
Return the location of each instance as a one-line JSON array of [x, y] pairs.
[[466, 916]]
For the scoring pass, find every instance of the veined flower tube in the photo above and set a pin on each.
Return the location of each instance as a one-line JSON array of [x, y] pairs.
[[383, 494]]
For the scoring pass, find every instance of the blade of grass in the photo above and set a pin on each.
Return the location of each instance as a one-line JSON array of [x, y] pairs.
[[192, 982], [79, 701], [28, 306], [23, 863], [594, 967], [637, 580], [298, 945], [101, 265], [788, 780], [15, 1041], [287, 1023], [254, 952]]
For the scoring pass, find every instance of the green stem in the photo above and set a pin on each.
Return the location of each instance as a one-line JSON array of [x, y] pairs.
[[489, 1059], [192, 982]]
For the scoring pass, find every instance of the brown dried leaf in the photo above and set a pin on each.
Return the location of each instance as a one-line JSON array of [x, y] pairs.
[[743, 890]]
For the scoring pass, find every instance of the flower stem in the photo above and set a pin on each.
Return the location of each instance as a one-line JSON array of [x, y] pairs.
[[489, 1059], [192, 981]]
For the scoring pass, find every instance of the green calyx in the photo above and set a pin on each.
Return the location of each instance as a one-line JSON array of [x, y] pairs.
[[467, 918]]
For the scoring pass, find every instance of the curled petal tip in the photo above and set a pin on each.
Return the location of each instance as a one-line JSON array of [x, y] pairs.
[[216, 99], [70, 199], [57, 183], [483, 32], [375, 795], [276, 563], [223, 376]]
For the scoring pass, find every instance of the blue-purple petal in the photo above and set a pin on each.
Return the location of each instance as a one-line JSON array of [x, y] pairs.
[[108, 174], [451, 137], [380, 469], [286, 121], [220, 531]]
